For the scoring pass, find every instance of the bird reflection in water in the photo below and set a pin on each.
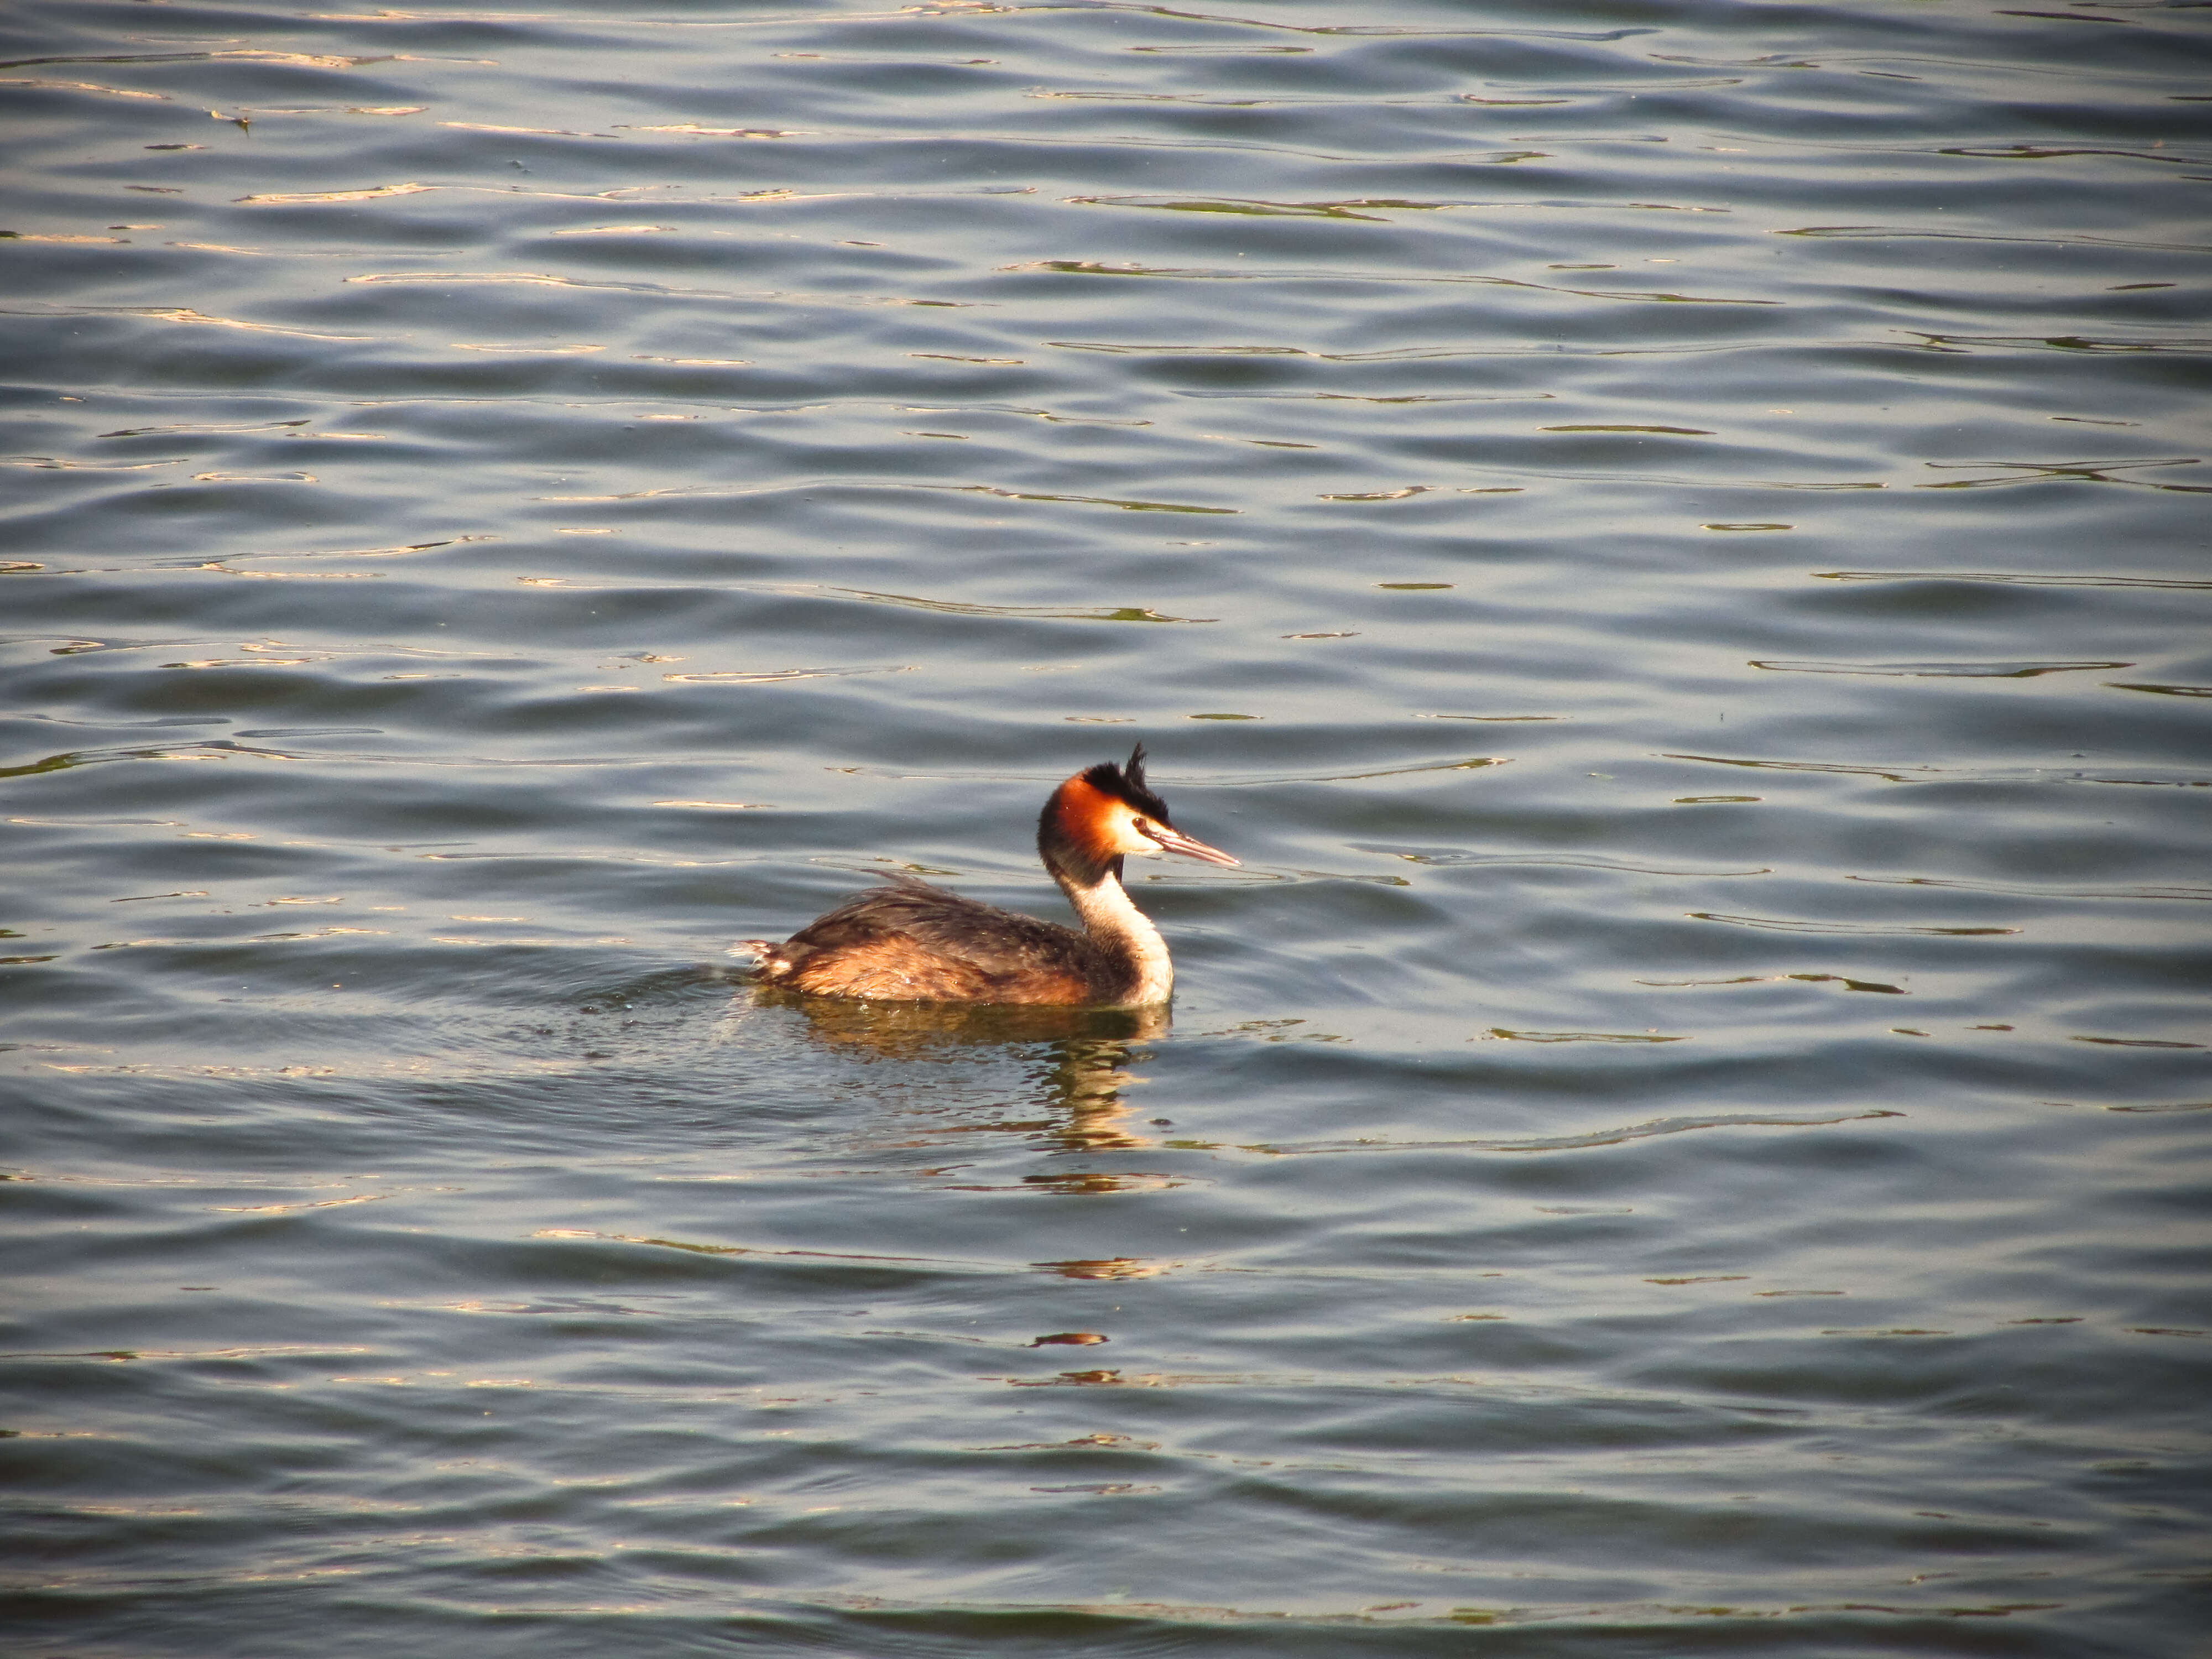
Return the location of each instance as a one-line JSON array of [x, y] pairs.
[[1078, 1058]]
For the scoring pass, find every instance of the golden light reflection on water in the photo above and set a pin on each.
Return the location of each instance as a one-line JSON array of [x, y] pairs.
[[1078, 1066], [1114, 1267]]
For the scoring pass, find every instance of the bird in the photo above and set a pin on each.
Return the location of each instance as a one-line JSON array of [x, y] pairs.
[[910, 942]]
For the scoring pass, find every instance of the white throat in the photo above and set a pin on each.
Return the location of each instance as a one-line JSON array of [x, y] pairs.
[[1109, 915]]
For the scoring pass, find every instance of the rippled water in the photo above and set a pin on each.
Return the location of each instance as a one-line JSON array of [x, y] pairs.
[[1671, 538]]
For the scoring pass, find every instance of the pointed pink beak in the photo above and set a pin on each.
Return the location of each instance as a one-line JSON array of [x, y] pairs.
[[1174, 841]]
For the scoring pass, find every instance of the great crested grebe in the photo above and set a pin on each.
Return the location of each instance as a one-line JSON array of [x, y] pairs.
[[911, 942]]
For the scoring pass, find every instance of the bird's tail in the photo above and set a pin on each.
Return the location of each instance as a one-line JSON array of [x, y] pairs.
[[763, 951]]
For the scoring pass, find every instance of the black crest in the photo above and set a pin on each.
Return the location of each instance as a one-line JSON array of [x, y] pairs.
[[1127, 783]]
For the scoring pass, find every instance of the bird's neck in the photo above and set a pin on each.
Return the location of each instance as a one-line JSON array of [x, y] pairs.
[[1117, 926]]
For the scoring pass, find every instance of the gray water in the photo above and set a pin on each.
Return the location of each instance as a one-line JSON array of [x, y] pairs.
[[1669, 537]]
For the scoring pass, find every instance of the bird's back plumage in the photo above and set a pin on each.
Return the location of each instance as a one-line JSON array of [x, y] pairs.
[[912, 941]]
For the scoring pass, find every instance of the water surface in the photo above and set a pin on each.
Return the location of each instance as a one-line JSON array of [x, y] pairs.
[[1671, 539]]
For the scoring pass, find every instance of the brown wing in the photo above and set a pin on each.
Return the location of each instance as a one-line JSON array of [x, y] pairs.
[[913, 941]]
